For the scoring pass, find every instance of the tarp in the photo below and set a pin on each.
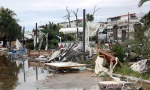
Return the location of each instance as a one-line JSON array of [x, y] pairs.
[[28, 36], [139, 66], [92, 28], [71, 30], [18, 44], [99, 65]]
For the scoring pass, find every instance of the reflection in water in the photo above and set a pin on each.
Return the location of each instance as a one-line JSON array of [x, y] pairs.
[[32, 75], [13, 77], [9, 75]]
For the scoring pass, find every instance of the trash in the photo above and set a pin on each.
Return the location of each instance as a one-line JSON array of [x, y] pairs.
[[140, 66]]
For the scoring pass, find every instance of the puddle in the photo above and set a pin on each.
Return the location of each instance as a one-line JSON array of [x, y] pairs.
[[19, 77], [27, 80], [22, 77]]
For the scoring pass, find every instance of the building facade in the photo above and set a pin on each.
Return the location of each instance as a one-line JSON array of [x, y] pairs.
[[121, 27]]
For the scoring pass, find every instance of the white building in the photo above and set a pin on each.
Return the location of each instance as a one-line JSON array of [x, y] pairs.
[[125, 25]]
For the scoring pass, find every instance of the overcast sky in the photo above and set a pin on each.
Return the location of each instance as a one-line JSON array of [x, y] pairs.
[[41, 12]]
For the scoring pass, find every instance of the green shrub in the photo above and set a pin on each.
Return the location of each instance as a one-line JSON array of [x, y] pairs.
[[126, 70], [119, 51]]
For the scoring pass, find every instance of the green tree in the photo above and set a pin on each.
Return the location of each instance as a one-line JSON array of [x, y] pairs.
[[9, 24], [140, 45], [146, 19], [142, 2], [52, 30], [89, 17], [119, 51]]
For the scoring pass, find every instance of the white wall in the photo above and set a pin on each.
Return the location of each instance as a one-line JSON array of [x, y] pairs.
[[124, 18]]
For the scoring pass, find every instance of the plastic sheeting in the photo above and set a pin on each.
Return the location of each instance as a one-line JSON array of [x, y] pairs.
[[35, 40], [28, 36], [92, 28], [71, 30], [99, 65], [139, 66], [18, 44]]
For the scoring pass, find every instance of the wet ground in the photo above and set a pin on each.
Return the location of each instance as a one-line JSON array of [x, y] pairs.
[[19, 76], [71, 81]]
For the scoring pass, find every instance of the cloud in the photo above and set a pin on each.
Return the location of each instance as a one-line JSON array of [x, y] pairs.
[[30, 12]]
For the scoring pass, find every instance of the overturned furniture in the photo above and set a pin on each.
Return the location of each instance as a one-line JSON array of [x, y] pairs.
[[64, 66], [108, 57], [105, 62]]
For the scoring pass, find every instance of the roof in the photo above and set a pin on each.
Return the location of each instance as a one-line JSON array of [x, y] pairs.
[[133, 14]]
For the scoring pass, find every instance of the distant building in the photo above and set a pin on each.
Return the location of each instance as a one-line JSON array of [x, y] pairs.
[[124, 26]]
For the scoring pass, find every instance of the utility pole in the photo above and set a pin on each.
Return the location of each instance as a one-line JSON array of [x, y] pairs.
[[106, 34], [46, 48], [23, 36], [84, 34], [128, 25], [36, 34]]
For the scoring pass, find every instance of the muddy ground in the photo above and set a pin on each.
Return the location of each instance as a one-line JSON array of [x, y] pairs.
[[82, 80]]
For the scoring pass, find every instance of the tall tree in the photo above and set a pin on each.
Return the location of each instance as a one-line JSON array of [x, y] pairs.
[[146, 19], [95, 10], [9, 24], [50, 31], [140, 45], [76, 15], [68, 16], [90, 17], [142, 2]]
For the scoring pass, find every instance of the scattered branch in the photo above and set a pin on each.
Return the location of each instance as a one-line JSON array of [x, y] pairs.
[[95, 10]]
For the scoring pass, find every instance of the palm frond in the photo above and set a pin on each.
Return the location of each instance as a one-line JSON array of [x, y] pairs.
[[142, 2]]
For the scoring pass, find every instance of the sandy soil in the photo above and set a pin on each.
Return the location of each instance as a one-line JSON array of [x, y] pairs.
[[73, 81]]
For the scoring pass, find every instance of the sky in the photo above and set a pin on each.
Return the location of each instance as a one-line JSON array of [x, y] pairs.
[[30, 12]]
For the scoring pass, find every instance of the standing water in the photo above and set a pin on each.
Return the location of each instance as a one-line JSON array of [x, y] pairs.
[[19, 75]]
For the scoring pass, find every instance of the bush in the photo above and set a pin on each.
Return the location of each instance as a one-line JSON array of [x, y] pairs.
[[126, 70], [119, 51], [30, 46]]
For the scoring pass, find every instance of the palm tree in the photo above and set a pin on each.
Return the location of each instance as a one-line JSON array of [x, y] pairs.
[[142, 2], [89, 17], [146, 19]]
